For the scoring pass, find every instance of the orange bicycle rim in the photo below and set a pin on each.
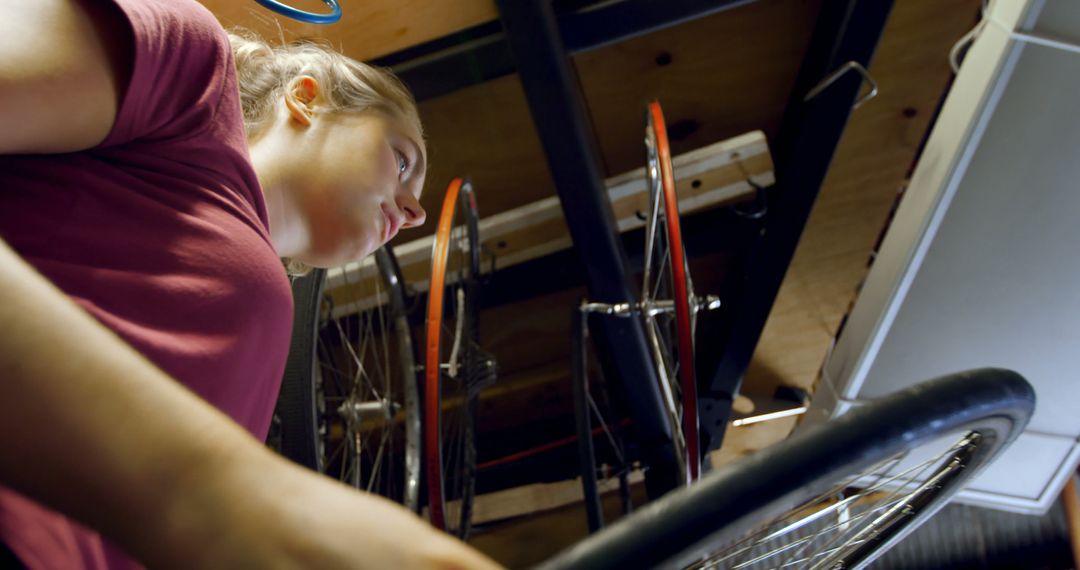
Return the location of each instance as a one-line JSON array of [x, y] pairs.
[[432, 365], [681, 296]]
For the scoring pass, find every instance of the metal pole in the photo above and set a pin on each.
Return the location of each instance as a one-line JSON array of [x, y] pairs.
[[558, 111]]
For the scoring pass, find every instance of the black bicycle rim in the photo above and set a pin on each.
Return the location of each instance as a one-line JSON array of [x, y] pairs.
[[679, 529]]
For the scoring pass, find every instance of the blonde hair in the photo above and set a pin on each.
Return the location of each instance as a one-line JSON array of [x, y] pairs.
[[264, 71]]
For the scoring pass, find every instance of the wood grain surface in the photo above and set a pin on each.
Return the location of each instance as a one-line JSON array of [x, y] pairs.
[[367, 29]]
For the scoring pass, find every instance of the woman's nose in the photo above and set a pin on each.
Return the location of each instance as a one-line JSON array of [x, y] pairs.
[[410, 206]]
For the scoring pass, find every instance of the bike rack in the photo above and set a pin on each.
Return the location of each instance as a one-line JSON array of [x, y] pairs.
[[536, 42]]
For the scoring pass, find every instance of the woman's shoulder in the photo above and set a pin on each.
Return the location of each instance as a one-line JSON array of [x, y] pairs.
[[168, 17], [181, 67]]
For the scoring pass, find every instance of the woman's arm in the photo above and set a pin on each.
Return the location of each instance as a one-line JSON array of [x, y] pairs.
[[90, 428], [63, 67]]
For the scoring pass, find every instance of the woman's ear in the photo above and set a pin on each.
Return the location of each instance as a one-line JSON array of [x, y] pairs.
[[300, 96]]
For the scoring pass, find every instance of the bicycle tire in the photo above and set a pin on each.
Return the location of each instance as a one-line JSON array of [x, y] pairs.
[[300, 414], [665, 311], [450, 406], [399, 303], [675, 366], [683, 527], [295, 409]]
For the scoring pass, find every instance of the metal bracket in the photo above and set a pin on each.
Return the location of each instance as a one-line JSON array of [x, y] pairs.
[[768, 409], [832, 77], [697, 304]]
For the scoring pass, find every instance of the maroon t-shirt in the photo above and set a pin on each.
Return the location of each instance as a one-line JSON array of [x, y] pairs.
[[161, 233]]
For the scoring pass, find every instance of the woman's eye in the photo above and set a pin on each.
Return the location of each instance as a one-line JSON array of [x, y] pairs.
[[403, 163]]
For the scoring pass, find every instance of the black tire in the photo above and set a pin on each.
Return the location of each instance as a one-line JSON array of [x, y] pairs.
[[689, 524], [474, 371], [301, 421], [399, 307], [293, 429]]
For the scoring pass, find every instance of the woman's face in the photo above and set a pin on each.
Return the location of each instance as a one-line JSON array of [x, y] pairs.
[[338, 185], [363, 174]]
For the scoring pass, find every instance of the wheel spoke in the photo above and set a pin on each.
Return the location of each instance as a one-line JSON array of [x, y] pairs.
[[844, 519], [607, 431]]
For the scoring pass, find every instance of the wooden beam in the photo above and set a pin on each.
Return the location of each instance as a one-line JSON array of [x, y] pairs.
[[705, 178], [525, 542], [367, 29], [537, 498]]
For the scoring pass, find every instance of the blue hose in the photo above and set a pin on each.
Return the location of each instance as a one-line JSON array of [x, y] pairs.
[[309, 17]]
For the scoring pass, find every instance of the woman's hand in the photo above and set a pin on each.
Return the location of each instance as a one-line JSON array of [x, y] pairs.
[[264, 512], [163, 474]]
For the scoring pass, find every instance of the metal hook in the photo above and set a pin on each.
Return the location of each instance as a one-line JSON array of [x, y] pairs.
[[760, 202], [851, 65]]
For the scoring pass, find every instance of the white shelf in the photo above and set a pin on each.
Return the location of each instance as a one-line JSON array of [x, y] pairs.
[[981, 265]]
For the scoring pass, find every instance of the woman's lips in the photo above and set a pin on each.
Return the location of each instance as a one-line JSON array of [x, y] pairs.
[[390, 225]]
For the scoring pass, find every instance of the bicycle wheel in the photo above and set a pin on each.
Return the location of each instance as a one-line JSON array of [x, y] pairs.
[[668, 304], [349, 405], [834, 496], [451, 365], [293, 429]]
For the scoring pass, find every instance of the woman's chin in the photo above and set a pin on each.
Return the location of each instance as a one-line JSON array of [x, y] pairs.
[[336, 257]]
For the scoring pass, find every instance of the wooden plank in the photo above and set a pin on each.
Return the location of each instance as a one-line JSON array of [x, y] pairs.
[[525, 542], [875, 153], [716, 77], [706, 177], [367, 29], [538, 497]]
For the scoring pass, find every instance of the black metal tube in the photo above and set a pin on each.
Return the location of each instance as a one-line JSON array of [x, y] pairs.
[[598, 26], [558, 111], [586, 454]]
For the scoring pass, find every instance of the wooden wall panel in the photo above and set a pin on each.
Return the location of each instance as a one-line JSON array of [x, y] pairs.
[[716, 77], [367, 29], [878, 147], [730, 73], [484, 131]]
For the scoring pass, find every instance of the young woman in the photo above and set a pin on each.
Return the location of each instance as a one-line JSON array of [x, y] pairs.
[[150, 182]]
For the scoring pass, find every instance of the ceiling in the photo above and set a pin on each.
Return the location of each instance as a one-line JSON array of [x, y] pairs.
[[717, 77]]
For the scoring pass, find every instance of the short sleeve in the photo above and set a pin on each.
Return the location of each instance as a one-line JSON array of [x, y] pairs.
[[181, 63]]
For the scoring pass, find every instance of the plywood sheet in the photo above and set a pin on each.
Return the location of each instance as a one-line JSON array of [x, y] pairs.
[[871, 163], [367, 29]]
